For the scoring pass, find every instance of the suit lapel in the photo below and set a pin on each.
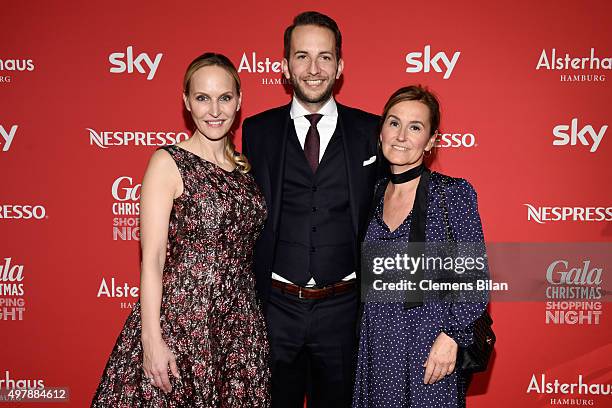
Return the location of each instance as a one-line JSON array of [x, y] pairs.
[[351, 158], [276, 163]]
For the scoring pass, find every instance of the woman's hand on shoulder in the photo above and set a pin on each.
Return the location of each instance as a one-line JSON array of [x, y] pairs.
[[441, 360]]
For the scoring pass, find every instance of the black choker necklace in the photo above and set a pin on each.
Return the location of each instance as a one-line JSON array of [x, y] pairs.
[[407, 175]]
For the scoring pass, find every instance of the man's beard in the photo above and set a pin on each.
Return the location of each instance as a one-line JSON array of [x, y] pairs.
[[327, 93]]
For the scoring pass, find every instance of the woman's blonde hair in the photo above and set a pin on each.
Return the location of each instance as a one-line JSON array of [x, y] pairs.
[[219, 60]]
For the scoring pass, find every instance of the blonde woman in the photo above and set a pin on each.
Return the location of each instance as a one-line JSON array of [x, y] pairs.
[[197, 337]]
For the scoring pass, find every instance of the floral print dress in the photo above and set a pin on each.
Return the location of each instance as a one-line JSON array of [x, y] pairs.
[[210, 317]]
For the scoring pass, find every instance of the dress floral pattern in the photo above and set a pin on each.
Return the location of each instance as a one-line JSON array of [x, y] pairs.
[[210, 317]]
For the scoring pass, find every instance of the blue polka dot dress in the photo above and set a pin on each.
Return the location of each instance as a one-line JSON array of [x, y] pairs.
[[395, 341]]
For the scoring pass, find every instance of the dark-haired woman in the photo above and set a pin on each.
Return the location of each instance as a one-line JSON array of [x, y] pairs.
[[408, 350], [196, 338]]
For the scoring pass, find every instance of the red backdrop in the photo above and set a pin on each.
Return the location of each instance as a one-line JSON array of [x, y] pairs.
[[72, 71]]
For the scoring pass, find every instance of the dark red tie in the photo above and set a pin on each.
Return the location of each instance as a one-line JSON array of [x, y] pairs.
[[312, 142]]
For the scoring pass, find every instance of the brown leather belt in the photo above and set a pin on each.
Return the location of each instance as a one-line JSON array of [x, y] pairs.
[[314, 293]]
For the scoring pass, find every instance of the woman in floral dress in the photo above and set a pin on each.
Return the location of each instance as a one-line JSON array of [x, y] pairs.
[[196, 338]]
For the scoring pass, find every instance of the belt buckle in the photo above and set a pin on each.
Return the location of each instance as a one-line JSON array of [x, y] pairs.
[[300, 293]]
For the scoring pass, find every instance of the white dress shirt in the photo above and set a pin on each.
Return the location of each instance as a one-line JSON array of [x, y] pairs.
[[326, 128]]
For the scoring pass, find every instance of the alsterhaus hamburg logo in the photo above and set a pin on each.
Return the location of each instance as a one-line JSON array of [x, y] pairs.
[[24, 390], [7, 383], [542, 215], [427, 61], [254, 64], [122, 291], [9, 65], [130, 62], [579, 392], [590, 67], [106, 139], [12, 302], [126, 209]]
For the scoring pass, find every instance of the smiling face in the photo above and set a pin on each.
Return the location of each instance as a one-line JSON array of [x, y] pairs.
[[406, 135], [313, 66], [213, 101]]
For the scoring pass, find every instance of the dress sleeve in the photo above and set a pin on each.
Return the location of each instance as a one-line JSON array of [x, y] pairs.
[[466, 226]]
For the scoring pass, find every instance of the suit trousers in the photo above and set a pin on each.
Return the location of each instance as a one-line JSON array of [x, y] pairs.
[[312, 349]]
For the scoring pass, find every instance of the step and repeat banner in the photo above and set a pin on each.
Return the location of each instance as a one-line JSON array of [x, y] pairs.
[[89, 90]]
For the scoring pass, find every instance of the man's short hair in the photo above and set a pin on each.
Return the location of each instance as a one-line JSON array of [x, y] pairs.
[[317, 19]]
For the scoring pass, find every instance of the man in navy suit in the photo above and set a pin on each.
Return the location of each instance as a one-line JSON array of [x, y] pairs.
[[315, 161]]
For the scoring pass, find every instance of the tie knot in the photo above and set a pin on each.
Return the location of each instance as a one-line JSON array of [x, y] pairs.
[[314, 118]]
